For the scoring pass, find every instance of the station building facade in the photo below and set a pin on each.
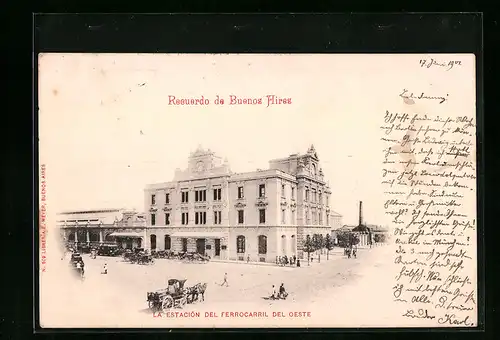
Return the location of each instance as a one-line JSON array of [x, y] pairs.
[[254, 216], [125, 227]]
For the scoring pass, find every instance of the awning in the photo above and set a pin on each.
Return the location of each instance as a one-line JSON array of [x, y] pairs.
[[199, 234], [127, 234]]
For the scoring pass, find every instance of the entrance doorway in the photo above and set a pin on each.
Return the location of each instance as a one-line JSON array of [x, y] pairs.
[[217, 247], [200, 246]]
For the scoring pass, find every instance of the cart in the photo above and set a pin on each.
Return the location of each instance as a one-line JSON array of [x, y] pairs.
[[174, 296]]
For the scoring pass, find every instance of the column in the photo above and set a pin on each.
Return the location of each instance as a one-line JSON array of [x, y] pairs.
[[88, 236], [101, 236], [76, 235]]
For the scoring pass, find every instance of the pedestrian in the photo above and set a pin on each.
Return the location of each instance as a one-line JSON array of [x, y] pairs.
[[273, 294], [105, 269], [294, 259], [298, 262], [276, 259], [248, 258], [354, 252], [225, 281]]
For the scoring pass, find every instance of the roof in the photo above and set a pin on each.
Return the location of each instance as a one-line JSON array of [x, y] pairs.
[[200, 234]]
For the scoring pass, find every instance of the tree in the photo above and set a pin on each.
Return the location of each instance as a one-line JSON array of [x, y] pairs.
[[347, 239], [328, 245], [343, 239], [308, 248]]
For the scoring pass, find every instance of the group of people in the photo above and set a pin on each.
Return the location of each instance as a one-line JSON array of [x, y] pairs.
[[287, 261], [281, 294], [350, 252]]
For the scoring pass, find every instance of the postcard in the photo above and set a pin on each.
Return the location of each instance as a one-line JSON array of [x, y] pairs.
[[257, 190]]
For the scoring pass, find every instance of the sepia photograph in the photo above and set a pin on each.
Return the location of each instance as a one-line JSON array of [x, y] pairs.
[[257, 190]]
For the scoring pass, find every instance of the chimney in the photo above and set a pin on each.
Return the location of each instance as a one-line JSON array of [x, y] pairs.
[[360, 212]]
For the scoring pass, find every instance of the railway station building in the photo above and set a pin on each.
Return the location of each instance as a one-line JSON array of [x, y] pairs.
[[255, 215]]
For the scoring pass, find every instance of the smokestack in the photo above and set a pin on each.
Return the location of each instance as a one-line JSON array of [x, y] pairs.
[[360, 212]]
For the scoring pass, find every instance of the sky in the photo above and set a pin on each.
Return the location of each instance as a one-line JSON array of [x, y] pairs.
[[106, 128]]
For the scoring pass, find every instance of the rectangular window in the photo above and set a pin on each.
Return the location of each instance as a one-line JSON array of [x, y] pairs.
[[200, 217], [240, 217], [320, 217], [153, 199], [217, 217], [327, 219], [307, 217], [185, 218], [240, 192], [282, 190], [217, 194], [167, 198], [167, 219], [262, 215], [185, 197], [200, 196], [262, 190], [293, 192], [314, 196], [320, 200], [283, 212], [184, 245], [153, 219], [307, 195]]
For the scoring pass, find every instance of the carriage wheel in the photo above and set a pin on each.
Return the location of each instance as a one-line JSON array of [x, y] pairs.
[[151, 304], [183, 301], [167, 302]]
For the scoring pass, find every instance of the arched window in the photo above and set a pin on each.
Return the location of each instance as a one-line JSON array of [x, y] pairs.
[[240, 244], [293, 245], [262, 244], [314, 169], [168, 242], [153, 241]]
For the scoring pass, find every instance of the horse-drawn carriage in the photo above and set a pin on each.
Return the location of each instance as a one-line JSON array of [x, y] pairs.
[[176, 295], [138, 256], [76, 263], [108, 250], [194, 257]]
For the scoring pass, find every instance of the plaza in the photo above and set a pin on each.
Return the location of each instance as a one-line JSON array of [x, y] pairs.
[[119, 298]]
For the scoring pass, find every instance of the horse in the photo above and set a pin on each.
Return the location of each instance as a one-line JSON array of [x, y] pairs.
[[199, 290]]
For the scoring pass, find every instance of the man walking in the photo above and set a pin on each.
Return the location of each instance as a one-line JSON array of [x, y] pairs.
[[225, 281]]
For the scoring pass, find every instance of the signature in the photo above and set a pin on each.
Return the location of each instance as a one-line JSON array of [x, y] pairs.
[[410, 96], [431, 62], [453, 320]]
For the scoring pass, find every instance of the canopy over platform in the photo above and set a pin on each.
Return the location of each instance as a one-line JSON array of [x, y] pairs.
[[199, 234], [127, 234]]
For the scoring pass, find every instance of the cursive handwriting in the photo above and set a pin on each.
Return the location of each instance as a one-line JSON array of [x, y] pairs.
[[428, 63], [422, 95], [429, 173]]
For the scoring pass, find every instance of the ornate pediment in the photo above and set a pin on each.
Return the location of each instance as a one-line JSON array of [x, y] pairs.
[[293, 205], [167, 209], [284, 204], [240, 205], [153, 209], [184, 208], [261, 203], [200, 206]]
